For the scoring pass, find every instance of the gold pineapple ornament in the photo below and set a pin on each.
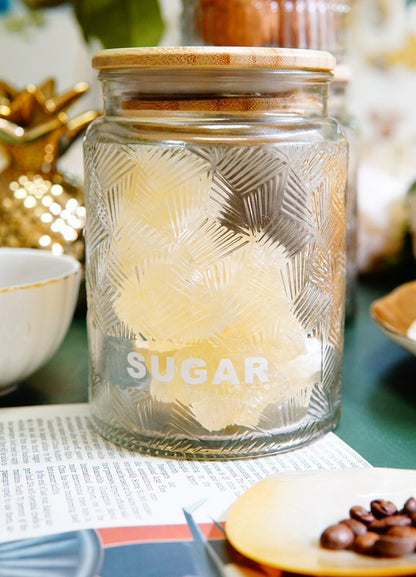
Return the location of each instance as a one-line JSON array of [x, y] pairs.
[[40, 207]]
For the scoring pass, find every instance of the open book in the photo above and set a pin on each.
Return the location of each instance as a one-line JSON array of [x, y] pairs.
[[74, 504]]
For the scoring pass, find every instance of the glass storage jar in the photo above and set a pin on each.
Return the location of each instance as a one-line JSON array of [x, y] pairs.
[[215, 250]]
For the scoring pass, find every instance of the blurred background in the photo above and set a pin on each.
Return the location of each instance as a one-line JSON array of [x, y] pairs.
[[41, 39]]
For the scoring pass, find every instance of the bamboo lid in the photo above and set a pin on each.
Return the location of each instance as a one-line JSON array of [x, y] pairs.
[[205, 57]]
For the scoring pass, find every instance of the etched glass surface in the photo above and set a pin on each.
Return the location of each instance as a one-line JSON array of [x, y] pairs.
[[215, 278]]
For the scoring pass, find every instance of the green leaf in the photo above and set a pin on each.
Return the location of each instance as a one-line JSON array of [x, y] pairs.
[[37, 4], [120, 23]]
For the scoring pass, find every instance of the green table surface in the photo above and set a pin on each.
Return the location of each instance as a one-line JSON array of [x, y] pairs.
[[379, 381]]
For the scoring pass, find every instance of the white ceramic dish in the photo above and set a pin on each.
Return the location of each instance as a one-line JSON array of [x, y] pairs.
[[278, 521], [38, 294], [395, 314]]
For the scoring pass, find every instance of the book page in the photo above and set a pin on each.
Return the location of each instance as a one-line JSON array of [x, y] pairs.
[[57, 474]]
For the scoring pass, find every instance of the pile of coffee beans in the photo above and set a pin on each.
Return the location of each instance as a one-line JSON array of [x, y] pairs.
[[383, 531]]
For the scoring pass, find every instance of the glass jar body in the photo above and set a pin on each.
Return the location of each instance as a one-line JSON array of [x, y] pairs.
[[338, 108], [215, 276]]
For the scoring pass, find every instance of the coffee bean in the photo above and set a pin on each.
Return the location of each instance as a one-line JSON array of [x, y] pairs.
[[338, 536], [409, 507], [381, 508], [384, 524], [361, 514], [403, 531], [357, 527], [364, 544], [382, 532], [392, 546]]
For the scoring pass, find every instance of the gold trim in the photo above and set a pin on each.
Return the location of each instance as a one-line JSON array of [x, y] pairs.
[[39, 284]]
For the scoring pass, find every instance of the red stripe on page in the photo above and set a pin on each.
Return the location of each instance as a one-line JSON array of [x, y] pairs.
[[117, 535]]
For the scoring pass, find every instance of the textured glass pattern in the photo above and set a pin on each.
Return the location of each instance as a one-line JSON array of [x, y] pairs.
[[215, 279]]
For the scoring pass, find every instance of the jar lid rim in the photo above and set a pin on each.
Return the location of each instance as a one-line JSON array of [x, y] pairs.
[[342, 74], [227, 57]]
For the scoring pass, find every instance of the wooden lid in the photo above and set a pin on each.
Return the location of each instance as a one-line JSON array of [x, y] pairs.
[[205, 57]]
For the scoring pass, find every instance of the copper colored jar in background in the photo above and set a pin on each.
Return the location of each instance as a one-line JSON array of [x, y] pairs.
[[314, 24]]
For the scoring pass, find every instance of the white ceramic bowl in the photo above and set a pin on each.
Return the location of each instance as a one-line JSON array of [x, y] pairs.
[[38, 294]]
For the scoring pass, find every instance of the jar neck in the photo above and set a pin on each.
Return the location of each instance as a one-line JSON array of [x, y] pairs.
[[337, 99], [248, 92]]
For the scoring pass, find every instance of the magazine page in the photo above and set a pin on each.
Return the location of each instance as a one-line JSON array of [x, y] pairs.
[[61, 480]]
